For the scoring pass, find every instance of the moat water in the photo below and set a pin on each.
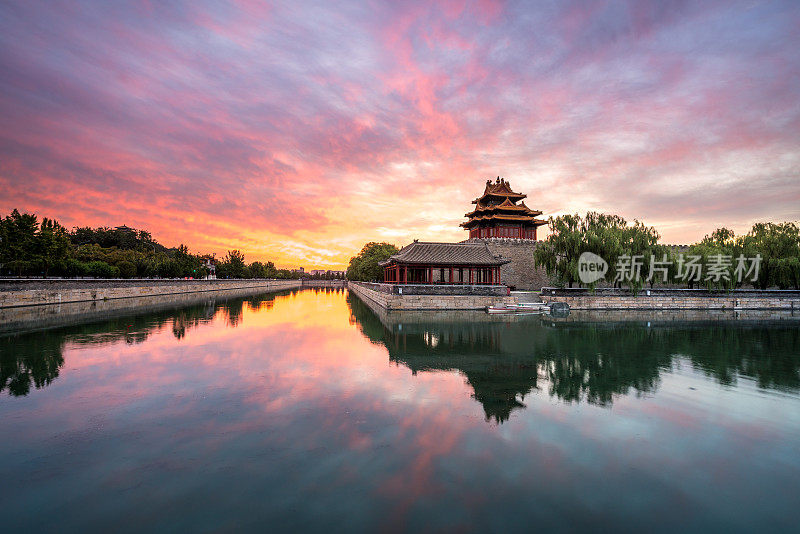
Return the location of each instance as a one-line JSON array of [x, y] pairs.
[[306, 411]]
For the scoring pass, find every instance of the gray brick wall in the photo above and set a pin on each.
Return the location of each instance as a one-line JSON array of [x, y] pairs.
[[522, 273]]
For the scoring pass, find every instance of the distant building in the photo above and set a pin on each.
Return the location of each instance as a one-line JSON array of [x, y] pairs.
[[326, 274], [210, 263]]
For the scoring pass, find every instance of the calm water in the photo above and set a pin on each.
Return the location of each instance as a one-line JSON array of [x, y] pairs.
[[306, 411]]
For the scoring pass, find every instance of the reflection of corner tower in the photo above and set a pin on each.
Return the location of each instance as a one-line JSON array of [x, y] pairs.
[[497, 214], [508, 227]]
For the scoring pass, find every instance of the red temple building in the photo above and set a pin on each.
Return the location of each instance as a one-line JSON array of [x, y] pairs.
[[443, 263], [497, 213]]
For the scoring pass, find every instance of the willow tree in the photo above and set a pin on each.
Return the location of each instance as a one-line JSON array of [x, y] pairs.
[[778, 244], [609, 236], [559, 253]]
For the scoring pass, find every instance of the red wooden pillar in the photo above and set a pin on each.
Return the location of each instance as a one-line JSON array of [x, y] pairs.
[[430, 274], [405, 274], [451, 275], [470, 276]]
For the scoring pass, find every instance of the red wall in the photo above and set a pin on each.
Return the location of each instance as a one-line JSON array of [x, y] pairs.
[[517, 232]]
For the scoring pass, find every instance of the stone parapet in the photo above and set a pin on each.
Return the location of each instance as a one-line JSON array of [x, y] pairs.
[[25, 318], [88, 290], [657, 299], [438, 289], [390, 297]]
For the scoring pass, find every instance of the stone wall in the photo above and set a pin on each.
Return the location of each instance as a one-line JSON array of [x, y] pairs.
[[438, 289], [690, 299], [384, 296], [679, 317], [23, 318], [91, 290], [324, 283], [522, 272]]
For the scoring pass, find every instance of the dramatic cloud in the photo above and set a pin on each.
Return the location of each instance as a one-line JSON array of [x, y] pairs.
[[299, 131]]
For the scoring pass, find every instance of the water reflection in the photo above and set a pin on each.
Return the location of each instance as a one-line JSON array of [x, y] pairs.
[[275, 412], [32, 360], [504, 359]]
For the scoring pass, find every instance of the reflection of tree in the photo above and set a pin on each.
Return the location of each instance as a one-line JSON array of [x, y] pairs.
[[35, 358], [233, 312], [577, 362], [33, 361]]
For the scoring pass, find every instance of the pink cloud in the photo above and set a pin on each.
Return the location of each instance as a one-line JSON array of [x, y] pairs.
[[267, 128]]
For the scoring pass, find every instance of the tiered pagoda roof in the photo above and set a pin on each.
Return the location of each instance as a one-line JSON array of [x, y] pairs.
[[498, 205]]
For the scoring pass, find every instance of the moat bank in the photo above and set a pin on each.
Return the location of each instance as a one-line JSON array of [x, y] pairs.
[[431, 297], [657, 299], [15, 293]]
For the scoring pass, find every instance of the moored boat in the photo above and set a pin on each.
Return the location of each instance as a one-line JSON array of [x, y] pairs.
[[519, 308]]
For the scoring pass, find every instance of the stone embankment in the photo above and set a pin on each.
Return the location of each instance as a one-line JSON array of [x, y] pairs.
[[673, 299], [25, 318], [431, 297], [15, 293]]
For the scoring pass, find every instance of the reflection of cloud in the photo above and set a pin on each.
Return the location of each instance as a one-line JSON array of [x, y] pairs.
[[299, 409], [239, 127]]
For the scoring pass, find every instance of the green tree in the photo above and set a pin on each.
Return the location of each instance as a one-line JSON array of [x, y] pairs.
[[608, 236], [261, 270], [364, 266], [100, 269], [778, 244], [126, 269], [52, 244], [188, 264], [18, 249], [169, 268], [232, 266], [640, 240], [559, 253], [718, 249]]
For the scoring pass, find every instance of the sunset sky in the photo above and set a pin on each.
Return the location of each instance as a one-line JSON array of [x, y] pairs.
[[298, 131]]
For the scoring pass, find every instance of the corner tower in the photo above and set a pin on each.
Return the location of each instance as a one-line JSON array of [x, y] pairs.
[[508, 227], [497, 214]]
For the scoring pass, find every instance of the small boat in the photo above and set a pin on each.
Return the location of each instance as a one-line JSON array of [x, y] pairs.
[[532, 307]]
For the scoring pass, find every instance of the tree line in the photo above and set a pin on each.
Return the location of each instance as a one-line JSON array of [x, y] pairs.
[[721, 257], [29, 247]]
